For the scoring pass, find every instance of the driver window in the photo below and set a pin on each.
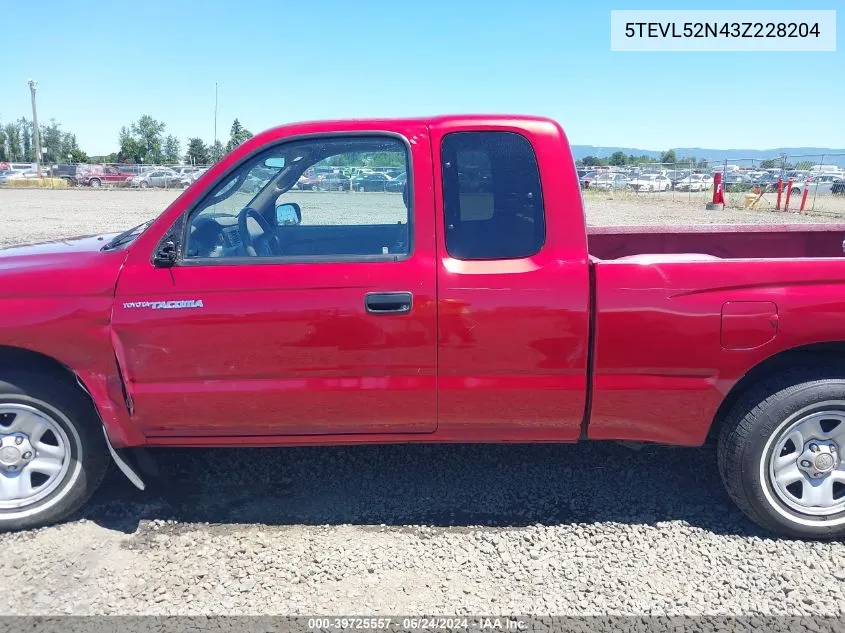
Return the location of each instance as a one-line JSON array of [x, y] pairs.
[[329, 199]]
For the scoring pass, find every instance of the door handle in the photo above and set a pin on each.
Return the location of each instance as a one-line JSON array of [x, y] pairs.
[[388, 302]]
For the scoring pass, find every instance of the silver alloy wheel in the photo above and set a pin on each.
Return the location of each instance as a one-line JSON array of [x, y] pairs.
[[35, 455], [805, 466]]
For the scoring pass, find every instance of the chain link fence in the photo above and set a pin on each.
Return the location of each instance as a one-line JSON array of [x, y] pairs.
[[815, 183]]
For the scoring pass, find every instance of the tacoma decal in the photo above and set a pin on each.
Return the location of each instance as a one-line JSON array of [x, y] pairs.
[[165, 305]]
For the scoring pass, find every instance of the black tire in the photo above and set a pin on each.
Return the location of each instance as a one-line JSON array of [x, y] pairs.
[[68, 407], [94, 182], [795, 191], [748, 434]]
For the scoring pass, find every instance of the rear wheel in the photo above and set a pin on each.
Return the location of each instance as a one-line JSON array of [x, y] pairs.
[[94, 182], [52, 451], [781, 454]]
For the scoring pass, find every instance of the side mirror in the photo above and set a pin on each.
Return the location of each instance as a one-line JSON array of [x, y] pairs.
[[165, 256], [288, 214]]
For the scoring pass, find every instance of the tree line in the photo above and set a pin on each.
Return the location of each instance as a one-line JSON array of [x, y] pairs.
[[142, 141], [145, 141], [621, 159], [57, 146]]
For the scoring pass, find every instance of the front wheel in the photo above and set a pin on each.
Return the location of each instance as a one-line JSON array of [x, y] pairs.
[[781, 454], [94, 182], [52, 450], [144, 184]]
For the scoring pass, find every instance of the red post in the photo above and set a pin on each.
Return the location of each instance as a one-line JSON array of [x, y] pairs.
[[804, 195], [788, 194], [780, 193], [718, 189]]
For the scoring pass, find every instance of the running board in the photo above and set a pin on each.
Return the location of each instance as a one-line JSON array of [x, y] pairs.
[[123, 463]]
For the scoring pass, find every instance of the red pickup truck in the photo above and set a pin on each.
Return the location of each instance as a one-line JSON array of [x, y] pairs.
[[98, 175], [473, 306]]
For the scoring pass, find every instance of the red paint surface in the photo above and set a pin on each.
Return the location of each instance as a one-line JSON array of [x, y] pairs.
[[661, 370], [491, 351]]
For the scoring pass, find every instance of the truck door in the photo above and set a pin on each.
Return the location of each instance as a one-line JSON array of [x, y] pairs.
[[309, 312], [513, 282]]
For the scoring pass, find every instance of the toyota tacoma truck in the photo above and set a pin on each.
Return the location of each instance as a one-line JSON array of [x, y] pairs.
[[474, 305]]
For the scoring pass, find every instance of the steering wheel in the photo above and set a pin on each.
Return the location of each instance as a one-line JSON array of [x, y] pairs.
[[266, 230]]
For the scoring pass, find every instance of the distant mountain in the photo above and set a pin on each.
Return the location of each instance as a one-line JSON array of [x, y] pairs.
[[795, 154]]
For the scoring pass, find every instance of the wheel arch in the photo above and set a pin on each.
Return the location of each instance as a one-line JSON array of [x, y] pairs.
[[816, 354], [104, 398], [22, 358]]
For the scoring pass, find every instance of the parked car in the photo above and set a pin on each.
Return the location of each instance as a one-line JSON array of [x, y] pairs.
[[838, 187], [693, 182], [397, 185], [650, 182], [16, 171], [184, 171], [132, 169], [767, 181], [68, 173], [587, 179], [678, 175], [608, 181], [370, 182], [819, 185], [737, 181], [156, 178], [99, 175], [527, 331], [22, 167], [192, 177], [333, 182], [28, 174], [307, 182]]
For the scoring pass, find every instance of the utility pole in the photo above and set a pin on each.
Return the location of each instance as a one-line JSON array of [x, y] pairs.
[[37, 137], [215, 114]]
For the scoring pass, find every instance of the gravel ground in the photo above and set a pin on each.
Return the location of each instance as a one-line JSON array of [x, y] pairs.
[[586, 529]]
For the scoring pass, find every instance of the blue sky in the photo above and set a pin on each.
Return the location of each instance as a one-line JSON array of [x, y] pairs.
[[100, 65]]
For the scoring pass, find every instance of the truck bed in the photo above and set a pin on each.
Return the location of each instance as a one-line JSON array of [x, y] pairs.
[[682, 313], [727, 241]]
